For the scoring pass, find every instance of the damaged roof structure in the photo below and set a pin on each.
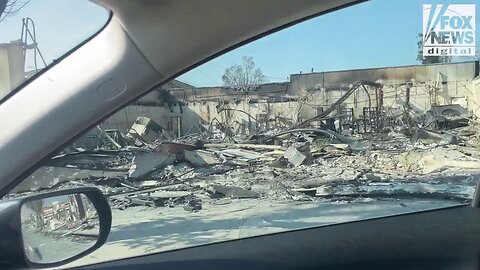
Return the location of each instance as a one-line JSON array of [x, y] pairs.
[[321, 136]]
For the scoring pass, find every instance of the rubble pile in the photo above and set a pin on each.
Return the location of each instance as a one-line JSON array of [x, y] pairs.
[[147, 167]]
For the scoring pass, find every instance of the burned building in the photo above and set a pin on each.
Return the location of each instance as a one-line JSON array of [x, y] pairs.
[[321, 136], [184, 109]]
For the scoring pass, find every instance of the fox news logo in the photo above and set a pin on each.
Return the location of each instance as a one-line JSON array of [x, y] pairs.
[[449, 30]]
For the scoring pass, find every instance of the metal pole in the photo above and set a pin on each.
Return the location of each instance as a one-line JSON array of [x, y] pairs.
[[476, 196]]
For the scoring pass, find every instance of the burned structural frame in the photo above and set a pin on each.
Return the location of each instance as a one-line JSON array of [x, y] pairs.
[[372, 116]]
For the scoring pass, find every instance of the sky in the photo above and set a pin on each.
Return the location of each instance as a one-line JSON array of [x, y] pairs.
[[377, 33], [60, 25], [367, 35]]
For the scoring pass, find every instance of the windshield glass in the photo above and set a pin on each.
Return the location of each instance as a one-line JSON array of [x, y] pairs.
[[348, 116], [33, 33]]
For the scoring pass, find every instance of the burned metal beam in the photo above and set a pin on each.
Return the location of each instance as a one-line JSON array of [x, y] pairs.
[[339, 101]]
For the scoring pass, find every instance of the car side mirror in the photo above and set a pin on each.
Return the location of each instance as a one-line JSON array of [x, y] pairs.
[[54, 228]]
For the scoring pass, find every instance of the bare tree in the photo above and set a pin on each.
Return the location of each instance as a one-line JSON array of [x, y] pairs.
[[245, 76], [8, 7]]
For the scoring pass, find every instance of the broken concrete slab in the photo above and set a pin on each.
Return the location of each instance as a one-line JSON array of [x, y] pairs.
[[146, 162], [157, 198], [339, 146], [437, 160], [47, 177], [429, 137], [219, 191], [432, 164], [169, 194], [145, 129], [280, 162], [149, 183], [295, 157], [242, 153], [200, 158]]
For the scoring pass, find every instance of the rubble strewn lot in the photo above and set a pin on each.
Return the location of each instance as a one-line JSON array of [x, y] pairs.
[[169, 192], [298, 164]]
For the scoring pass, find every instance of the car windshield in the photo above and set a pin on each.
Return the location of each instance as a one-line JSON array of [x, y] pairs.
[[360, 113], [32, 36]]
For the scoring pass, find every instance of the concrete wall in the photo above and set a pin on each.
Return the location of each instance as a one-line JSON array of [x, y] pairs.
[[229, 94], [242, 117], [428, 84], [336, 80], [276, 104], [394, 96], [12, 65], [473, 97]]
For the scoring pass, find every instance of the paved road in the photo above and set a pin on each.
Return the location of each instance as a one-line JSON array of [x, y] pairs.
[[141, 230], [48, 249]]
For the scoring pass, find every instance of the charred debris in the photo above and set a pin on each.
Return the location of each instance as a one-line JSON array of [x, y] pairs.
[[332, 156]]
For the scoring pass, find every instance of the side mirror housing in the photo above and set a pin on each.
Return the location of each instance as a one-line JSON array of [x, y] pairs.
[[54, 228]]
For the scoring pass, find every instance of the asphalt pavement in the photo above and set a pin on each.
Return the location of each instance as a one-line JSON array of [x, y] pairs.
[[48, 248]]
